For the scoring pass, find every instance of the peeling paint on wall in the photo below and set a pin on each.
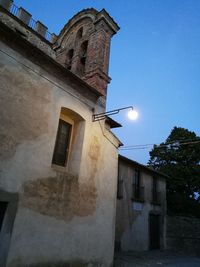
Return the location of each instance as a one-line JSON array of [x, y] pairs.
[[61, 197], [94, 151]]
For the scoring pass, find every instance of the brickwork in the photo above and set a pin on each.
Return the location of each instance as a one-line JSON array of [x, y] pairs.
[[86, 38], [83, 45]]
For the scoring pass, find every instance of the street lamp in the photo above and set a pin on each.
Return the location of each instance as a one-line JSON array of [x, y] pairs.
[[132, 114]]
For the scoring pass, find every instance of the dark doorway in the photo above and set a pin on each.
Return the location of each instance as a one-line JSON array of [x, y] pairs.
[[8, 208], [154, 231], [3, 207]]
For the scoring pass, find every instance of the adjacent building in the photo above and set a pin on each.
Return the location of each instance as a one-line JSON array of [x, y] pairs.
[[141, 207], [57, 187]]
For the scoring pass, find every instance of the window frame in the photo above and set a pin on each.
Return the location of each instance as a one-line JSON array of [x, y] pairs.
[[155, 191], [64, 120], [137, 189]]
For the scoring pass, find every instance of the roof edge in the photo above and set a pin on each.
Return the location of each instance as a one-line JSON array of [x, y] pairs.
[[135, 163]]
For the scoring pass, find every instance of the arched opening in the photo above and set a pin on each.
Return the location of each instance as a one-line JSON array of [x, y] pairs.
[[69, 57], [79, 34], [69, 140], [83, 52], [82, 58]]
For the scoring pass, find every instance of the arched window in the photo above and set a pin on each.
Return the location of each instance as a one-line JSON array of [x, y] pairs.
[[69, 57], [83, 52], [61, 150], [79, 34], [69, 140]]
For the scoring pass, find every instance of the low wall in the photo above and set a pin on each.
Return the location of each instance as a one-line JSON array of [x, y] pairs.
[[183, 234]]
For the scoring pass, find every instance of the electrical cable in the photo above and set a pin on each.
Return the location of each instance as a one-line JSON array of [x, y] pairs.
[[147, 146], [106, 136], [133, 147], [44, 77]]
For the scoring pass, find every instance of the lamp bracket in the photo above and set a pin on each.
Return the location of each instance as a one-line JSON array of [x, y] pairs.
[[103, 115]]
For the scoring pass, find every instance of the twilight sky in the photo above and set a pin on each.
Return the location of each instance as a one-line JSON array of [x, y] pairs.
[[154, 63]]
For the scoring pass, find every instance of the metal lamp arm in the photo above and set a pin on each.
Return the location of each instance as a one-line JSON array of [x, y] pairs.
[[102, 115]]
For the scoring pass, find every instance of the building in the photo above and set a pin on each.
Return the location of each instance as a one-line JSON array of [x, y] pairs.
[[57, 188], [141, 207]]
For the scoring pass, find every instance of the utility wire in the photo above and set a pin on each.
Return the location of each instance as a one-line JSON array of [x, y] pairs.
[[147, 146], [106, 135], [57, 85], [133, 147]]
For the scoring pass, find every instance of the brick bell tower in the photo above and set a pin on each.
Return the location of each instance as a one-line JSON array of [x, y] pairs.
[[83, 46]]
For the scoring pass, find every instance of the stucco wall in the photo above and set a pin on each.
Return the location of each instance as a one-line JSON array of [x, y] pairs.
[[132, 218], [62, 217]]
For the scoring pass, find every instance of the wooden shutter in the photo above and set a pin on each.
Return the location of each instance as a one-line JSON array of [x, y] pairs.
[[137, 184], [154, 189]]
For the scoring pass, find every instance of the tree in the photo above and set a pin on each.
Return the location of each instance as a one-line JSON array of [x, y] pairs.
[[179, 158]]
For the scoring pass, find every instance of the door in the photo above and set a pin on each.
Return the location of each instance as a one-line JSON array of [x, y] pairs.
[[8, 208], [154, 231], [3, 207]]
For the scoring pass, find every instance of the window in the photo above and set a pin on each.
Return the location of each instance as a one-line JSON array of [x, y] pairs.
[[83, 56], [137, 190], [83, 52], [79, 33], [120, 183], [68, 142], [154, 189], [61, 149], [137, 184], [155, 193], [3, 207]]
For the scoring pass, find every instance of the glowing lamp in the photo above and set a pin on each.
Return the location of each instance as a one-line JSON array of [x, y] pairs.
[[133, 114]]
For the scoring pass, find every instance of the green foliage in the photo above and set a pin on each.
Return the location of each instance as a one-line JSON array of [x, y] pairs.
[[179, 158]]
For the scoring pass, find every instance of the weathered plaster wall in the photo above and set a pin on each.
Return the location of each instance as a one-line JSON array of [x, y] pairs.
[[140, 229], [183, 234], [62, 217], [132, 218]]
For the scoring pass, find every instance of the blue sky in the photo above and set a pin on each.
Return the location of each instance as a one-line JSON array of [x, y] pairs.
[[154, 63]]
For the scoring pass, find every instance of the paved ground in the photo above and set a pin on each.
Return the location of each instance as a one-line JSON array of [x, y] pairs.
[[155, 259]]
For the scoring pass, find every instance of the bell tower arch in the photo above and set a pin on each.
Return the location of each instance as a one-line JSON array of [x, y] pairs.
[[83, 46]]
